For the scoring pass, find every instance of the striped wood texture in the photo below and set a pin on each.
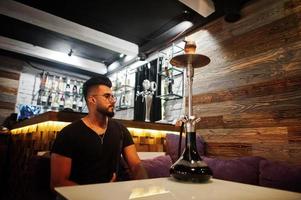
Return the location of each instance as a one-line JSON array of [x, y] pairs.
[[10, 70], [249, 96]]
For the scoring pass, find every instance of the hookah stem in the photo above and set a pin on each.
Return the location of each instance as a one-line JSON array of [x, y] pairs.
[[190, 125], [180, 139], [190, 79]]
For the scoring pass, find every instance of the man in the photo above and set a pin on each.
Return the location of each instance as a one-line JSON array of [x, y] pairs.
[[88, 150]]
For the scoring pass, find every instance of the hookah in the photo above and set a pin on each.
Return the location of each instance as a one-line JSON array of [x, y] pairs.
[[190, 166], [147, 95]]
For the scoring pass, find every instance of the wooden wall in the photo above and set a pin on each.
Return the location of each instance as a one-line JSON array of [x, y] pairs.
[[249, 96], [10, 70]]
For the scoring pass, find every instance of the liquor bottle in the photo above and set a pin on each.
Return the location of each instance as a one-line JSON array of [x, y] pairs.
[[44, 97], [55, 83], [55, 103], [74, 89], [123, 101], [80, 92], [80, 104], [68, 87], [74, 103], [61, 85], [43, 80], [39, 102], [62, 102], [68, 101], [50, 99], [48, 83]]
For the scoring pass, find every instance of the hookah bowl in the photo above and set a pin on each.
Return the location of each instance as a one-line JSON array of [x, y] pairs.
[[190, 166]]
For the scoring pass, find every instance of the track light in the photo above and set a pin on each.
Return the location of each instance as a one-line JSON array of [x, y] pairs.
[[70, 52]]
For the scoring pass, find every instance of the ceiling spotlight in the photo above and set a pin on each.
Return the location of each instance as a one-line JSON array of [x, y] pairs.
[[70, 52]]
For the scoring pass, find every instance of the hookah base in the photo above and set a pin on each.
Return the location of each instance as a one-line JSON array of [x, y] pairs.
[[191, 174]]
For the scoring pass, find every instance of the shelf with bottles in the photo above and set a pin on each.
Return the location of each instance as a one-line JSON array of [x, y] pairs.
[[171, 72], [170, 96], [57, 93], [170, 77], [124, 100], [59, 101], [123, 88]]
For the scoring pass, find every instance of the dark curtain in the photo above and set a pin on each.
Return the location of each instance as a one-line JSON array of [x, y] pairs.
[[150, 73]]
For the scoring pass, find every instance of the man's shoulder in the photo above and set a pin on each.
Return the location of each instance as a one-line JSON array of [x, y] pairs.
[[116, 123], [76, 125]]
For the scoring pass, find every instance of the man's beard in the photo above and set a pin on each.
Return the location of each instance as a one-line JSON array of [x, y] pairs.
[[105, 112]]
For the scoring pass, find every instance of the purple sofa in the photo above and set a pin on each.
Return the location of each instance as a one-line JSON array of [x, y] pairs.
[[250, 170]]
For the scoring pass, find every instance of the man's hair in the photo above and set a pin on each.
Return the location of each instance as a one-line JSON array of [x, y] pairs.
[[95, 81]]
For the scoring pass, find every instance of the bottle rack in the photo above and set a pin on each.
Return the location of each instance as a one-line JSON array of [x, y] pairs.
[[172, 78], [58, 93], [123, 89]]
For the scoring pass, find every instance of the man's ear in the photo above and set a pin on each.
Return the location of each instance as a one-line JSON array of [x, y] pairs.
[[91, 99]]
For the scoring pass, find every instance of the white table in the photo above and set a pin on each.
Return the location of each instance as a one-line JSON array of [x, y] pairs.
[[168, 188]]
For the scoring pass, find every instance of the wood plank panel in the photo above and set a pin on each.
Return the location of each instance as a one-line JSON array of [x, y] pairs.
[[226, 150], [266, 12], [249, 96], [245, 135], [11, 64], [271, 151], [269, 103], [7, 105], [9, 83], [10, 70], [4, 113], [8, 98], [281, 63], [252, 90], [8, 90], [9, 75], [247, 120]]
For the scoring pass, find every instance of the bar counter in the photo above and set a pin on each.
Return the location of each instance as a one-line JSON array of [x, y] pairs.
[[42, 129]]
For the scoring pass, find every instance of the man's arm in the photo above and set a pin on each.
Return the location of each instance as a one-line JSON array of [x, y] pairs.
[[134, 162], [60, 171]]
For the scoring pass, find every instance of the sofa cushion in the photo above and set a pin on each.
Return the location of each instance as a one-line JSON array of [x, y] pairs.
[[280, 175], [243, 170], [172, 142], [158, 166]]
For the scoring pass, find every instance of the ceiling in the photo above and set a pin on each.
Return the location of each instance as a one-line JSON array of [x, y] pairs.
[[98, 32]]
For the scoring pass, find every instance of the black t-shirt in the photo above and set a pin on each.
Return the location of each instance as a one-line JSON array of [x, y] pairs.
[[92, 161]]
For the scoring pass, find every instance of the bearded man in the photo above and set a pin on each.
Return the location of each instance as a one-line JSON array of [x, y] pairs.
[[88, 150]]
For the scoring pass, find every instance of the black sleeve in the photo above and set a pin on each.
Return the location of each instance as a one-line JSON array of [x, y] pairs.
[[127, 138], [63, 143]]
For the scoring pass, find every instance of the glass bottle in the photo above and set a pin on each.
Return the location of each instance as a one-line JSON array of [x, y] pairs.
[[74, 88], [62, 102], [68, 87], [56, 99], [50, 99], [55, 83], [39, 101], [80, 104], [74, 103], [44, 97], [48, 83], [43, 77], [68, 101], [61, 85], [80, 89]]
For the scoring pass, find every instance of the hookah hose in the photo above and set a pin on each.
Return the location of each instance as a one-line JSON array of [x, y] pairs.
[[180, 139]]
